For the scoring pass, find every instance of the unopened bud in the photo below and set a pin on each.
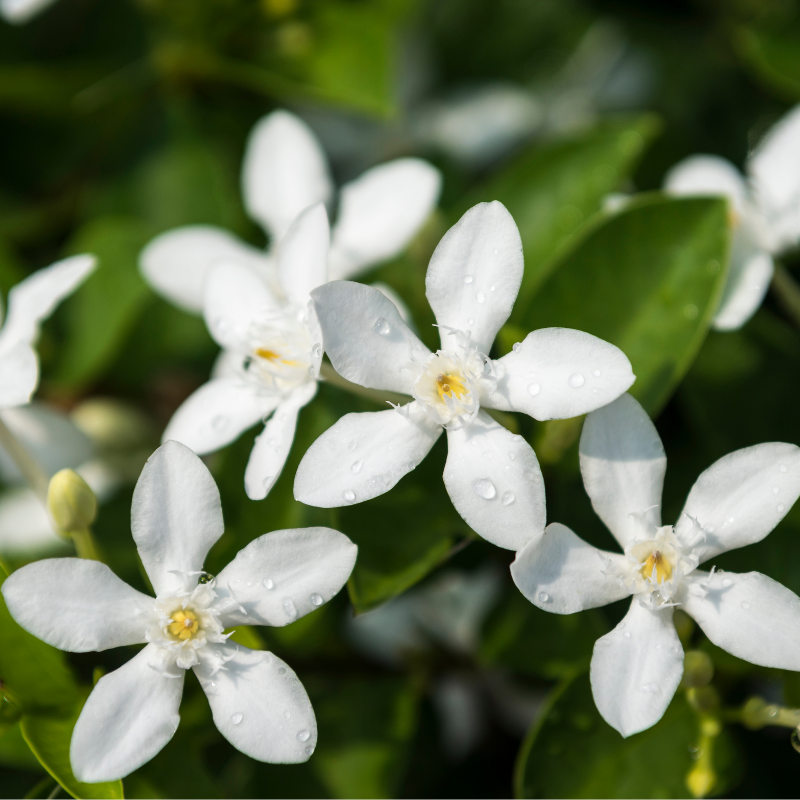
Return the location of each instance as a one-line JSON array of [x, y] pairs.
[[700, 780], [70, 501], [754, 713], [698, 669], [703, 698]]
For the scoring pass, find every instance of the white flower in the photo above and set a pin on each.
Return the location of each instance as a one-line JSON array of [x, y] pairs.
[[257, 702], [737, 501], [272, 349], [285, 172], [492, 476], [30, 302], [765, 210], [19, 11]]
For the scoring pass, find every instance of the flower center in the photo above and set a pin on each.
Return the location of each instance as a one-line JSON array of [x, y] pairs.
[[184, 624], [657, 568], [451, 386]]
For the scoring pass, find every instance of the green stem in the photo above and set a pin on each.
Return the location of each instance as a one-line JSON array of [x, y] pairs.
[[25, 462], [787, 293], [84, 544], [330, 375]]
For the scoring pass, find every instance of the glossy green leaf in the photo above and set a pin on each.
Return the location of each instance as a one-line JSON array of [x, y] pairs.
[[554, 188], [572, 752], [49, 739], [14, 750], [35, 675], [772, 56], [103, 311], [648, 280]]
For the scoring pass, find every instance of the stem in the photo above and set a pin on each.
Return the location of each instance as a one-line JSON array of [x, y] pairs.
[[787, 293], [84, 544], [330, 375], [25, 462]]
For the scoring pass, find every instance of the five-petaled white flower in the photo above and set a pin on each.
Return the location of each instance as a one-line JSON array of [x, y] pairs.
[[29, 303], [738, 500], [272, 350], [284, 173], [765, 212], [257, 702], [492, 475]]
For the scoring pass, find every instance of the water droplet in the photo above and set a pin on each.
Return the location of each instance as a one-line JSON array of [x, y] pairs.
[[775, 490], [544, 597], [268, 583], [795, 739], [651, 688], [690, 311], [780, 507], [317, 350], [516, 346], [303, 736], [745, 606], [627, 634], [289, 609], [695, 752], [355, 467], [512, 456], [309, 750], [381, 326], [509, 498], [783, 468], [534, 389], [468, 279], [576, 380], [596, 373], [237, 718], [287, 715], [219, 422], [484, 488], [281, 670], [480, 297], [316, 599], [530, 474], [349, 495], [492, 288], [470, 320], [311, 373], [352, 445], [727, 583]]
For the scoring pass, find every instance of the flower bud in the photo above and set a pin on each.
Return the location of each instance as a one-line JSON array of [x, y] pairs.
[[698, 669], [70, 501], [700, 780]]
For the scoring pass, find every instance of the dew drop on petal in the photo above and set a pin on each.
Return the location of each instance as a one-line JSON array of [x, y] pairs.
[[309, 750], [727, 583], [780, 507], [775, 490], [516, 346], [544, 597], [219, 422], [289, 608], [349, 495], [576, 380], [480, 297], [512, 456], [534, 389], [468, 279], [281, 670], [783, 468], [267, 482], [596, 373], [268, 583], [627, 634], [651, 688], [303, 736], [287, 715], [509, 498], [484, 488], [745, 606], [470, 320], [352, 445], [355, 467], [381, 326], [317, 350], [316, 599], [237, 718]]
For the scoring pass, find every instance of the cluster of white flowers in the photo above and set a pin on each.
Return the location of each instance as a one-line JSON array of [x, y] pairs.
[[273, 314]]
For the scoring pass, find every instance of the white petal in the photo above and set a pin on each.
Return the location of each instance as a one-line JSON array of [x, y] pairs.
[[748, 280], [272, 445], [227, 364], [260, 706], [739, 499], [623, 466], [19, 375], [365, 338], [77, 605], [218, 413], [236, 296], [176, 263], [25, 527], [707, 175], [636, 669], [176, 516], [49, 435], [380, 212], [284, 575], [129, 717], [20, 11], [33, 300], [494, 481], [751, 616], [284, 172], [557, 373], [399, 303], [363, 456], [775, 174], [559, 572], [475, 272], [303, 254]]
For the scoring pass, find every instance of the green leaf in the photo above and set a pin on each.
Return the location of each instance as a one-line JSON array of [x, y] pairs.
[[14, 750], [45, 90], [572, 752], [523, 638], [648, 280], [771, 56], [554, 188], [49, 739], [34, 675], [100, 315]]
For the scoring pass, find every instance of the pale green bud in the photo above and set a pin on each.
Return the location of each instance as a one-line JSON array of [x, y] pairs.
[[70, 501]]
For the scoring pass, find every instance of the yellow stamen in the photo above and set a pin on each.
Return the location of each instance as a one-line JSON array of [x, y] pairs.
[[271, 355], [184, 624], [450, 385], [661, 565]]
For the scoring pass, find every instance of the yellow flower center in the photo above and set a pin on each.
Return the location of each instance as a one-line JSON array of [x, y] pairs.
[[450, 385], [184, 624], [661, 565], [276, 358]]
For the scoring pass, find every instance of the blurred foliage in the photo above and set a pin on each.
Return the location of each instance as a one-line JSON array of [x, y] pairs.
[[124, 119]]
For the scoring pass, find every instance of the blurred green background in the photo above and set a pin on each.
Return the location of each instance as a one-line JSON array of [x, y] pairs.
[[121, 119]]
